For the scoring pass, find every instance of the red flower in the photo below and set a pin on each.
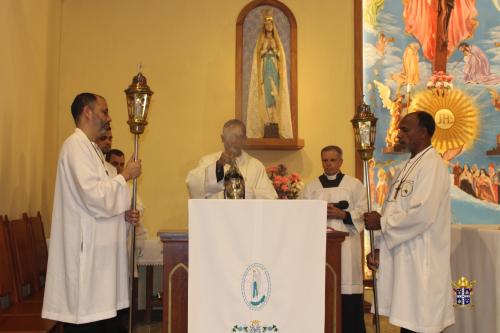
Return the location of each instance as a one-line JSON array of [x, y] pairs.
[[271, 169]]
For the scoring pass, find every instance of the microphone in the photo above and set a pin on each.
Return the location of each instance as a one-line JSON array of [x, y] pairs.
[[342, 204]]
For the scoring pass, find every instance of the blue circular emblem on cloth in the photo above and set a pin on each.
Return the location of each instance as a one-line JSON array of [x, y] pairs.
[[256, 286]]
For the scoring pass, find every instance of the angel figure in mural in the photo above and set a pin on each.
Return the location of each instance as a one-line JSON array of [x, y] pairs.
[[496, 3], [372, 9], [477, 66], [457, 20], [409, 76], [395, 107], [268, 108], [382, 187], [382, 43]]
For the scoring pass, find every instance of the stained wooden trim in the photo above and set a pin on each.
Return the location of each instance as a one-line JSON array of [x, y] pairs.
[[274, 144], [173, 235]]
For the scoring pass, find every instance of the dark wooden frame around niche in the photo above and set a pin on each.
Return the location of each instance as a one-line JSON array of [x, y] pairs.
[[269, 143], [358, 100]]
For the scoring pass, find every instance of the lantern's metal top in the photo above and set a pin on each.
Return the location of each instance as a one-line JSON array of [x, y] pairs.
[[139, 85], [363, 112]]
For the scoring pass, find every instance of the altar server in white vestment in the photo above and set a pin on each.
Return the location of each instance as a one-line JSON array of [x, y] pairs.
[[346, 197], [116, 160], [415, 229], [104, 142], [206, 181], [87, 272]]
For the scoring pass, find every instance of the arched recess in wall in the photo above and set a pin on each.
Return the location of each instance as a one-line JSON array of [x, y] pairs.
[[266, 75]]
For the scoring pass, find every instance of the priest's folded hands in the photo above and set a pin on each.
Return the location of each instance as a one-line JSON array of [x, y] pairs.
[[372, 221]]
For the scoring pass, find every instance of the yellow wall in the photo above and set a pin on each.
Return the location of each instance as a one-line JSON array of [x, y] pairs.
[[29, 64], [188, 52]]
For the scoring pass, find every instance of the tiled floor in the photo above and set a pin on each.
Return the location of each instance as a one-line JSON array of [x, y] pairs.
[[154, 327], [384, 325], [384, 322]]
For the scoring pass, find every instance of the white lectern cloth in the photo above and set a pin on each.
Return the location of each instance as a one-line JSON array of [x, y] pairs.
[[256, 263]]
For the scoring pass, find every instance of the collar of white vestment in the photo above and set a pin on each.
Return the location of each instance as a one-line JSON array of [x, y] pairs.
[[332, 177], [240, 159], [420, 154]]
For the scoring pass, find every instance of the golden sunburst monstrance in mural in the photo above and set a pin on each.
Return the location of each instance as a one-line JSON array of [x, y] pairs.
[[455, 114]]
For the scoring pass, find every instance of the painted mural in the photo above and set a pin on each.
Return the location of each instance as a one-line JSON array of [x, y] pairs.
[[441, 56]]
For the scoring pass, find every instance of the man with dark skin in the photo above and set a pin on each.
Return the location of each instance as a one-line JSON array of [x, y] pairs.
[[412, 251], [409, 138]]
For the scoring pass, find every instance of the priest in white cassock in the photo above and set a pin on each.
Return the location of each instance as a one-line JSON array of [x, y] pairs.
[[413, 256], [87, 272], [346, 197], [206, 181]]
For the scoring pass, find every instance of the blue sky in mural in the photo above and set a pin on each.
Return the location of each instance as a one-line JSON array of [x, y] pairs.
[[382, 66]]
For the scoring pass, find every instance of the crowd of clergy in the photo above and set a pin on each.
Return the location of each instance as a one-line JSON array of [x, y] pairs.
[[87, 279]]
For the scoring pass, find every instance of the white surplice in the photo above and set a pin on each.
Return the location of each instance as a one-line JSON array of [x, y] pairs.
[[414, 274], [202, 181], [351, 190], [87, 272], [112, 172]]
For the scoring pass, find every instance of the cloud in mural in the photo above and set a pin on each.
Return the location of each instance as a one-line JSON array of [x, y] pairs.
[[492, 50], [389, 25], [466, 205], [371, 56], [493, 34]]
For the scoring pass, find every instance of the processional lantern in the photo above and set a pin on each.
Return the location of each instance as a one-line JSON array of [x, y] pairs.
[[138, 100], [364, 124]]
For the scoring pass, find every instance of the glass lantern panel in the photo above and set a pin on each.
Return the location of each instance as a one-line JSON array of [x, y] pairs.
[[364, 133]]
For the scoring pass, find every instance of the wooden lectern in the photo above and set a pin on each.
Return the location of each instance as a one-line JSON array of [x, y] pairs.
[[175, 281]]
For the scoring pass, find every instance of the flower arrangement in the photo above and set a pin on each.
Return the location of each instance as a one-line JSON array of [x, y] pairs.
[[440, 81], [287, 186]]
